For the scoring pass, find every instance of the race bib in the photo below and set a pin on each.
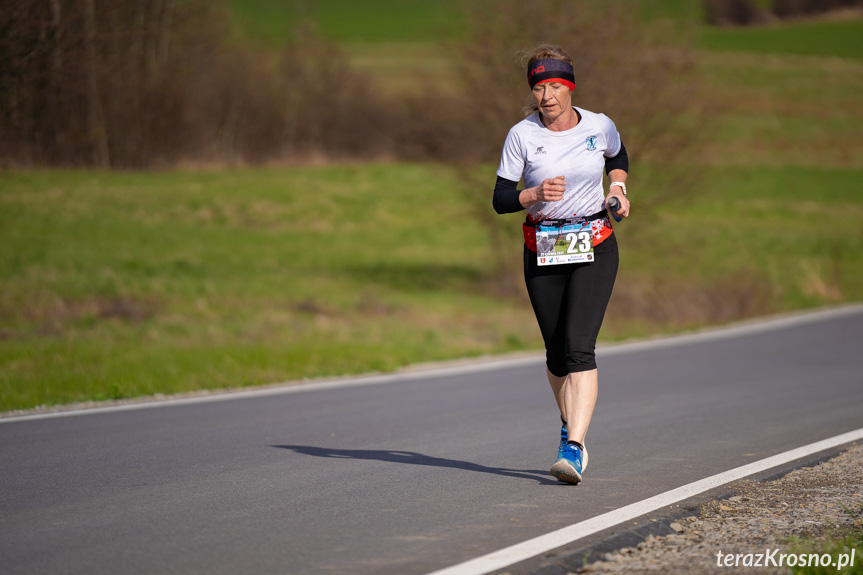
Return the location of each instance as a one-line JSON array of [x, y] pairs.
[[564, 245]]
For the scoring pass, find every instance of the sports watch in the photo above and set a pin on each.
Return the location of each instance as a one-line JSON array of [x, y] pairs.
[[621, 184]]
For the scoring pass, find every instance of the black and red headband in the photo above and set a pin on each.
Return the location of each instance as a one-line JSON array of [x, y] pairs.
[[550, 70]]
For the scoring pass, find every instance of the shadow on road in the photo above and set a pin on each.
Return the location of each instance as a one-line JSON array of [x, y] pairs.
[[414, 458]]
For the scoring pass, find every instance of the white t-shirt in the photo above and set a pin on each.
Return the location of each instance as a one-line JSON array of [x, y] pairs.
[[534, 153]]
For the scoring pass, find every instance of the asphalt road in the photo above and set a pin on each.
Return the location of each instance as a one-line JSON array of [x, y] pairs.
[[411, 475]]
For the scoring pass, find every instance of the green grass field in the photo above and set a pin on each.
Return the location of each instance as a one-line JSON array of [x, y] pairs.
[[818, 38], [270, 22], [127, 284], [123, 284]]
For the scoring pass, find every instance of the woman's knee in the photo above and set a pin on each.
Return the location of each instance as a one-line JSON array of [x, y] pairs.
[[556, 364], [573, 361], [578, 361]]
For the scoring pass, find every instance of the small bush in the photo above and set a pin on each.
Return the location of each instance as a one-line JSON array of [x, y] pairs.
[[732, 12]]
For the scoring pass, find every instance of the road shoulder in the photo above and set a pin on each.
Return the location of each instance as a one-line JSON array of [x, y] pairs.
[[823, 499]]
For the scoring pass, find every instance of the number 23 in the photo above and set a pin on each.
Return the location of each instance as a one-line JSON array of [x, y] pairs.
[[578, 242]]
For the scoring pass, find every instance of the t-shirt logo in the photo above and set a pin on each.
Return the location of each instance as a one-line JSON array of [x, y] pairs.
[[591, 143], [539, 150]]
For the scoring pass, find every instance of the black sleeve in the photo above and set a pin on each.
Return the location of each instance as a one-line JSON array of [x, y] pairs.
[[618, 162], [505, 199]]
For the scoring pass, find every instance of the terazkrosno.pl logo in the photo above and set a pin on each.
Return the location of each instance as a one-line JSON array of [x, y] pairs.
[[772, 558]]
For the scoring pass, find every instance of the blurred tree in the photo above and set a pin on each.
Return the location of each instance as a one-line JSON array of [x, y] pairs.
[[95, 118]]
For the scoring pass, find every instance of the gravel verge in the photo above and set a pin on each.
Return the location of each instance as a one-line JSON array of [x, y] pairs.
[[821, 502]]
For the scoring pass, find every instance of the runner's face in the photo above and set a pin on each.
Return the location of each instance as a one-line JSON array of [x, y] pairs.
[[553, 99]]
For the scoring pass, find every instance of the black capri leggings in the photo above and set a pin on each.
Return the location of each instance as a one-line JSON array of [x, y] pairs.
[[569, 302]]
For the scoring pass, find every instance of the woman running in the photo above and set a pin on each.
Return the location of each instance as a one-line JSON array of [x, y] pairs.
[[560, 151]]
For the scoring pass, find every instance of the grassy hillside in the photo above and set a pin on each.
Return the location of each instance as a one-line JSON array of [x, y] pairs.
[[126, 284], [839, 38], [347, 21], [385, 22], [122, 284]]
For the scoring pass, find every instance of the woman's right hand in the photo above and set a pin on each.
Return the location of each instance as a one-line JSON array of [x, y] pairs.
[[551, 190]]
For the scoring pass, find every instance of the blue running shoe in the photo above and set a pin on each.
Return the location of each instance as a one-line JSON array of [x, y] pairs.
[[563, 439], [568, 467]]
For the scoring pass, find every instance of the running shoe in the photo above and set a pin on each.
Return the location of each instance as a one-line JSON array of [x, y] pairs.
[[568, 467], [563, 439]]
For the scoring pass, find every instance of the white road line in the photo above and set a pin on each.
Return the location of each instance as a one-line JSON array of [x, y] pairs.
[[480, 365], [533, 547]]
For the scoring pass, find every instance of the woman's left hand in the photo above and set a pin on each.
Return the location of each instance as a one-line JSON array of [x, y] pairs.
[[616, 192]]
